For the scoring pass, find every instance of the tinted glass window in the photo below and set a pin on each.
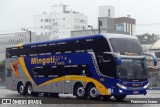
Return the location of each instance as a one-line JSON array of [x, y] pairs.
[[132, 69], [77, 70], [46, 71], [107, 65], [157, 54], [126, 46]]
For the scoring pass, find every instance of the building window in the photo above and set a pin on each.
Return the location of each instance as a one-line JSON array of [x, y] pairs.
[[41, 33], [41, 20], [120, 27], [46, 20], [41, 27], [63, 19], [47, 27]]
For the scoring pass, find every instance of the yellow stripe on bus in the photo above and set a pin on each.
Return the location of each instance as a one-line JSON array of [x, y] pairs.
[[102, 89], [19, 45], [21, 60]]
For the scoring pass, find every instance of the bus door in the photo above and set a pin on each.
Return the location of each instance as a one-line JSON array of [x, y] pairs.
[[107, 66], [57, 73], [67, 83]]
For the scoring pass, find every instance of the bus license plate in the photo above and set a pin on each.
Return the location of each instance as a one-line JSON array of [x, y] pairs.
[[135, 92]]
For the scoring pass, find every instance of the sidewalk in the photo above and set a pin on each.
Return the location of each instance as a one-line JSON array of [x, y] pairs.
[[153, 91], [2, 85]]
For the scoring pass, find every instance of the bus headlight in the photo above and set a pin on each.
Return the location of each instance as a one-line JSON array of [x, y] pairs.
[[121, 86], [146, 86]]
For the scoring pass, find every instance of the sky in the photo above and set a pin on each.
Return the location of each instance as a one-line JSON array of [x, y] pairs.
[[15, 14]]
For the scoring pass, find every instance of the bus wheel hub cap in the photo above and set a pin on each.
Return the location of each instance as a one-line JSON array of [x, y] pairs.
[[29, 90], [93, 92], [80, 91], [21, 89]]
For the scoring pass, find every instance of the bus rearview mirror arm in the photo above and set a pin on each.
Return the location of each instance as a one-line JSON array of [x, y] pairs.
[[154, 58], [117, 55]]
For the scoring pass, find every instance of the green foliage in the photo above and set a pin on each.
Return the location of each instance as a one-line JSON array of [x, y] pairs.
[[2, 70], [148, 38], [2, 66]]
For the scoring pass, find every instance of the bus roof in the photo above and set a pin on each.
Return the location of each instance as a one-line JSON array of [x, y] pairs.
[[80, 38], [119, 36], [65, 40]]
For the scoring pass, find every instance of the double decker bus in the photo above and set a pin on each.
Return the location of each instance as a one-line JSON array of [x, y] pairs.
[[96, 66]]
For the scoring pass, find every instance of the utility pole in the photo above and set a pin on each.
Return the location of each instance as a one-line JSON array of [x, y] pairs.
[[30, 33], [99, 26]]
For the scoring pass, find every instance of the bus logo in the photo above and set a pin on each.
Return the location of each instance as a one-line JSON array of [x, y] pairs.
[[14, 67]]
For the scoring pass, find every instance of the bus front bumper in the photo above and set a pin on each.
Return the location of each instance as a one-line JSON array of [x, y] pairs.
[[130, 92]]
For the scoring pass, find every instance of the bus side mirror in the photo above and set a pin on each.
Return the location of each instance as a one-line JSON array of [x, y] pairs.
[[154, 58], [117, 56], [119, 60]]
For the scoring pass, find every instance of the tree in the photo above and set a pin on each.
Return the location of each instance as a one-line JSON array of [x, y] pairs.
[[147, 38]]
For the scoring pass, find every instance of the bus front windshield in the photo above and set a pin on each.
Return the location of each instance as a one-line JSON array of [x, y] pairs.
[[132, 69], [126, 46]]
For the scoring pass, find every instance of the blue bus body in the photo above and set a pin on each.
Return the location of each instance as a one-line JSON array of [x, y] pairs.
[[89, 67]]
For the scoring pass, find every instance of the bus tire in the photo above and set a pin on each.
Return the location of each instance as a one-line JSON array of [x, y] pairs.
[[29, 91], [80, 91], [21, 89], [92, 92], [119, 97]]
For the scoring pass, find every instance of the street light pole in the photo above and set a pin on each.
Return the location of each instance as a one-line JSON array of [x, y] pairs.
[[91, 29], [24, 38], [30, 33]]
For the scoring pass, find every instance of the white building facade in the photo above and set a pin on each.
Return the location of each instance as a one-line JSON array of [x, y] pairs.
[[107, 11], [59, 22]]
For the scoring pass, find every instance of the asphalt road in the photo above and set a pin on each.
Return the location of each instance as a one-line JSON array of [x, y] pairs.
[[70, 100]]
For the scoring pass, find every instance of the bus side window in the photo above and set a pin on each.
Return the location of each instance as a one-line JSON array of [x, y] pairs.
[[108, 65], [7, 54]]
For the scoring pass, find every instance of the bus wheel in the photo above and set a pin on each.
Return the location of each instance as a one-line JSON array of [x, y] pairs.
[[106, 97], [119, 97], [29, 90], [80, 91], [92, 92], [21, 89]]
